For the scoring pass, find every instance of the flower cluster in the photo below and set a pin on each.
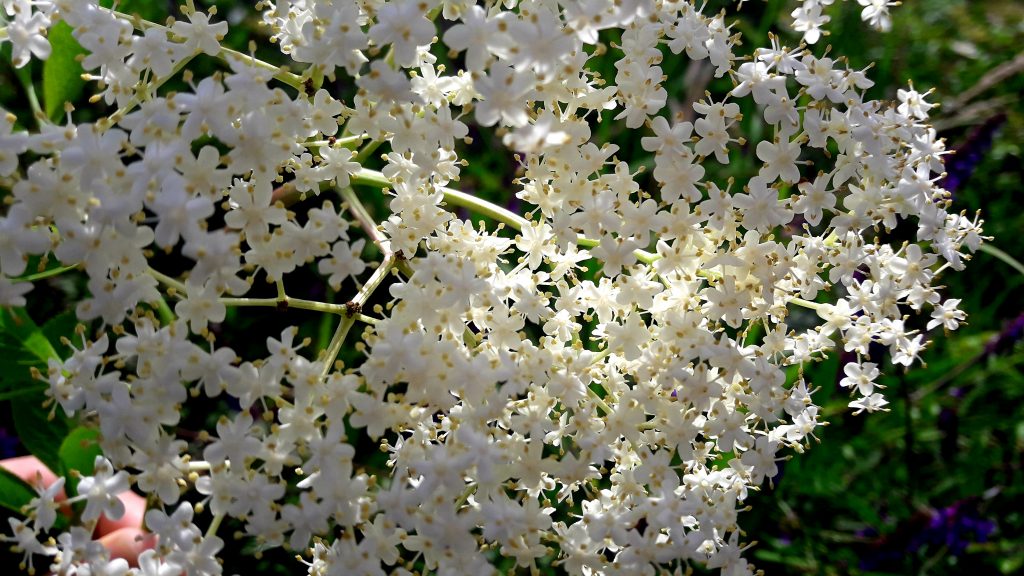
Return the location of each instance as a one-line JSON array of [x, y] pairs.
[[599, 389]]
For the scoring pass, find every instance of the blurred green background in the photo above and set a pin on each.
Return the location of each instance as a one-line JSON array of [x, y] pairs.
[[936, 486]]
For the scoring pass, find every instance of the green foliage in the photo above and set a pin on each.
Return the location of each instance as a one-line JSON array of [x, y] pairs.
[[78, 452], [24, 346], [22, 343], [14, 492], [40, 434], [62, 74]]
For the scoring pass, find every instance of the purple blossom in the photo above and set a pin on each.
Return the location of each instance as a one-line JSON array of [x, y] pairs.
[[1005, 340], [966, 157]]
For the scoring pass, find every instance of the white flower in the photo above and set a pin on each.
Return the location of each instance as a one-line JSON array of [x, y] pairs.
[[151, 564], [200, 307], [13, 293], [947, 315], [199, 34], [153, 50], [761, 207], [912, 103], [251, 208], [860, 376], [479, 36], [403, 25], [503, 93], [101, 491], [45, 506], [876, 13], [584, 333], [780, 160], [338, 165], [27, 33], [234, 442], [26, 541], [19, 237], [323, 113], [873, 403], [344, 262], [809, 20], [815, 199], [535, 241]]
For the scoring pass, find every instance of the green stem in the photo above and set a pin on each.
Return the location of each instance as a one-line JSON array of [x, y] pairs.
[[366, 221], [167, 316], [347, 142], [211, 530], [281, 300], [599, 401], [816, 306], [171, 282], [483, 207], [641, 255], [288, 302], [451, 196], [375, 280], [154, 85], [370, 148], [24, 75], [334, 348], [325, 328], [45, 274], [1006, 258], [470, 489]]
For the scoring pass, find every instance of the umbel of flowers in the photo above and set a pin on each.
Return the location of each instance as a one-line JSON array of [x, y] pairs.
[[596, 382]]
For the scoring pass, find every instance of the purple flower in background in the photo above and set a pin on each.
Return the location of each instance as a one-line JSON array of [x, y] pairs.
[[1005, 340], [955, 527], [966, 157], [8, 444]]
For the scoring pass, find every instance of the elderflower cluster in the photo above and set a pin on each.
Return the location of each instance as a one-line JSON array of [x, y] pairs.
[[597, 382]]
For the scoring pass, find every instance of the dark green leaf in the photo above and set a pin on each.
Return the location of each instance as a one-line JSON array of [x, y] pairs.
[[23, 345], [14, 492], [78, 452], [37, 432], [62, 74], [28, 390], [61, 325], [20, 334]]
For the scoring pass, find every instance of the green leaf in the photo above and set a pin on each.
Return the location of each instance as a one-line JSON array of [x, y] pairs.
[[37, 389], [20, 334], [62, 74], [37, 432], [78, 452], [14, 492], [22, 346], [61, 325]]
